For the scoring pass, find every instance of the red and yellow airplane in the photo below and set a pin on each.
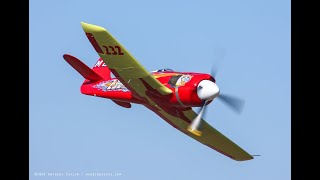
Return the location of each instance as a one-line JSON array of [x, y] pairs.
[[169, 94]]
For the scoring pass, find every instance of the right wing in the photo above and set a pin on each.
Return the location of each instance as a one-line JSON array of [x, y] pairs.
[[181, 119]]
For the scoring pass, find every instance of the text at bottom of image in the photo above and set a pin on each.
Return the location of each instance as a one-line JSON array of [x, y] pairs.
[[89, 174]]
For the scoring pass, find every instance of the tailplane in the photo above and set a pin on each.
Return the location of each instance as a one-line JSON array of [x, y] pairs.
[[99, 71]]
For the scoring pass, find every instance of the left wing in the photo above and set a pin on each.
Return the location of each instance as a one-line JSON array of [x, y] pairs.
[[181, 119], [121, 63]]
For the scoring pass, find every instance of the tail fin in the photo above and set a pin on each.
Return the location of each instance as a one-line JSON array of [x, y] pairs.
[[102, 69], [99, 72]]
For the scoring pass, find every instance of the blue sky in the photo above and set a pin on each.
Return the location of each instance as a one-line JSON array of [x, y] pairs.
[[74, 133]]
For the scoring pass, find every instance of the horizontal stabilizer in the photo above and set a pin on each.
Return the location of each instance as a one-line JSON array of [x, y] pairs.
[[83, 69]]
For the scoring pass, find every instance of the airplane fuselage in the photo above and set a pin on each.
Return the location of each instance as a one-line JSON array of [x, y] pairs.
[[183, 85]]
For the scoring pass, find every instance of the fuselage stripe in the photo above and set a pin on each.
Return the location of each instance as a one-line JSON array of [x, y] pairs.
[[177, 96]]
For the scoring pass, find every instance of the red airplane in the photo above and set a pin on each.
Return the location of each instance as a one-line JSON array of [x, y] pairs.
[[171, 95]]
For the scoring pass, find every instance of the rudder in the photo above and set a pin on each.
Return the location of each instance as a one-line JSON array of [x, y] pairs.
[[102, 69]]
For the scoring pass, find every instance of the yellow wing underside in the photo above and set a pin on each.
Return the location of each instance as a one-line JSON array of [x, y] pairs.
[[210, 136], [132, 74]]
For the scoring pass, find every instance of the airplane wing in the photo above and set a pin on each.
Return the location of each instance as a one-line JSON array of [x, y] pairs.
[[181, 119], [121, 63]]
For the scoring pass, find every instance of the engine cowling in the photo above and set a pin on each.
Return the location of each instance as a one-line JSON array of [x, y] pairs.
[[191, 90]]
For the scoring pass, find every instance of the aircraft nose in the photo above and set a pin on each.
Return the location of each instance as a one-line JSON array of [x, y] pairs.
[[207, 90]]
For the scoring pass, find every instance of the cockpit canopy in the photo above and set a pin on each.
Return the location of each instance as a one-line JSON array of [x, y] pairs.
[[163, 70]]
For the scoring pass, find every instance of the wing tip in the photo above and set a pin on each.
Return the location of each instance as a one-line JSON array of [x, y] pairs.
[[243, 156], [91, 27], [244, 159]]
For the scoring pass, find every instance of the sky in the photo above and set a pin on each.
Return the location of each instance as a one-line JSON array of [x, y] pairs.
[[74, 136]]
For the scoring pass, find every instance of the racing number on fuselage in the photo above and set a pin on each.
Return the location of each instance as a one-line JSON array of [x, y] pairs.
[[113, 50]]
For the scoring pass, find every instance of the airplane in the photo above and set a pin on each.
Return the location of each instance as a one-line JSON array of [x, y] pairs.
[[169, 94]]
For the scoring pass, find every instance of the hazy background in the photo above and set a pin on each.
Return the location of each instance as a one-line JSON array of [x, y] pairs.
[[74, 133]]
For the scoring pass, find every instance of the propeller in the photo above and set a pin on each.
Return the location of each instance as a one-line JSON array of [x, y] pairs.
[[193, 127], [208, 90], [234, 103], [219, 54]]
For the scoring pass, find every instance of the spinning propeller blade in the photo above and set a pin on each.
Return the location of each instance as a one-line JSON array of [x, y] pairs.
[[234, 103], [207, 91], [193, 127]]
